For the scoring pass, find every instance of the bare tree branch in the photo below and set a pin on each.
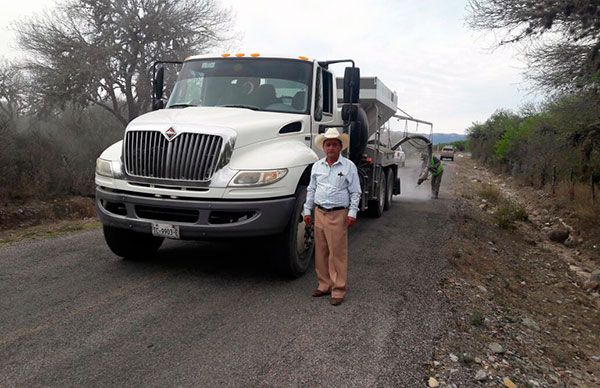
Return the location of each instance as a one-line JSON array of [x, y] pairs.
[[88, 45], [568, 58]]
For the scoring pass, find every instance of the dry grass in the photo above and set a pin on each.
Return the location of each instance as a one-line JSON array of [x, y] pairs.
[[508, 212], [490, 193], [43, 231], [578, 198]]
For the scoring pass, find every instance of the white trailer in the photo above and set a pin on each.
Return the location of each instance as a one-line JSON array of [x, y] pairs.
[[230, 154]]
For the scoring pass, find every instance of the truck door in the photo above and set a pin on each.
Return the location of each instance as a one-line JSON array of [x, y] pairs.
[[323, 107]]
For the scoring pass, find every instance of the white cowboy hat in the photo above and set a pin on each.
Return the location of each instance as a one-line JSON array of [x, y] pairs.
[[333, 133]]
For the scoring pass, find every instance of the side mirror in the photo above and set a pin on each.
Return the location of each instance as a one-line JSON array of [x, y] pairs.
[[159, 83], [351, 85], [319, 96]]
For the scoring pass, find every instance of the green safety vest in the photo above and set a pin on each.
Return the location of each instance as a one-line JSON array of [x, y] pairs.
[[436, 169]]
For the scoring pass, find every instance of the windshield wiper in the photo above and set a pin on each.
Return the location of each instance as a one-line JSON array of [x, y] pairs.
[[252, 107], [181, 105]]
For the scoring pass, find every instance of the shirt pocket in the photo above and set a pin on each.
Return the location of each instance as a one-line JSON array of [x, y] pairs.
[[341, 182]]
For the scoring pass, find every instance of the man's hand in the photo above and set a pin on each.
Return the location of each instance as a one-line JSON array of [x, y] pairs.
[[350, 221], [308, 220]]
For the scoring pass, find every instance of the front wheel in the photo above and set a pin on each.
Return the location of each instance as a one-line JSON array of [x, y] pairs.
[[129, 244], [295, 247]]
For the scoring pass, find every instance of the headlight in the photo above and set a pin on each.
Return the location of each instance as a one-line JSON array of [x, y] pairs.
[[104, 167], [258, 178]]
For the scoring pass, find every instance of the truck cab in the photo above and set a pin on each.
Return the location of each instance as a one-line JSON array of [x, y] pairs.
[[228, 155]]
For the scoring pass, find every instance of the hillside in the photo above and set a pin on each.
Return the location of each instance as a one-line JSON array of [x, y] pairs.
[[443, 138]]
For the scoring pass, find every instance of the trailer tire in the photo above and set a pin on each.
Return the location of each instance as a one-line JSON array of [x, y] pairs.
[[389, 189], [377, 205], [294, 248], [129, 244]]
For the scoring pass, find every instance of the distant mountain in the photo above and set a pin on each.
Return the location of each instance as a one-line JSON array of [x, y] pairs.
[[444, 138]]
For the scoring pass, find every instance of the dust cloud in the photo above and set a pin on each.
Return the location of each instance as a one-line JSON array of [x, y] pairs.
[[408, 181]]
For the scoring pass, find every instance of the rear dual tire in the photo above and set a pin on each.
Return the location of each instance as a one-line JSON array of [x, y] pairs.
[[389, 189], [377, 205]]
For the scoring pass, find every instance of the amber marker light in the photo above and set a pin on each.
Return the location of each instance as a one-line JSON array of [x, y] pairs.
[[254, 55], [239, 55], [225, 55], [303, 58]]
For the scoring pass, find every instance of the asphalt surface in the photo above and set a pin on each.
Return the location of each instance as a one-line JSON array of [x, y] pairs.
[[208, 314]]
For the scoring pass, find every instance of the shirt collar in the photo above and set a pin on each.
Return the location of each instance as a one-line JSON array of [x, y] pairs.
[[340, 161]]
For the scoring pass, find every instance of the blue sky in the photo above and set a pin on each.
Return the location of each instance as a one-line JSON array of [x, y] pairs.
[[442, 71]]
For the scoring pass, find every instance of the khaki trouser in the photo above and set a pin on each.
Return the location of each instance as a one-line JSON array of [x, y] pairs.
[[331, 251]]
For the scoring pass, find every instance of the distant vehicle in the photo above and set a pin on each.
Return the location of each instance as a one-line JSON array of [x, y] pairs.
[[447, 152], [400, 156]]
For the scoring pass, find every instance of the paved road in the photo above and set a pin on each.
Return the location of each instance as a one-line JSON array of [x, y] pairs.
[[210, 314]]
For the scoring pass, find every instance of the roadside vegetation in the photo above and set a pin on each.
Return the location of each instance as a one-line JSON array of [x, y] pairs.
[[555, 145]]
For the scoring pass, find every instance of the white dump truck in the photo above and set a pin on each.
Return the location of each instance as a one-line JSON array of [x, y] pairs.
[[229, 154]]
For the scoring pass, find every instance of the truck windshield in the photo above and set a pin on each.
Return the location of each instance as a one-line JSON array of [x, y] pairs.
[[275, 85]]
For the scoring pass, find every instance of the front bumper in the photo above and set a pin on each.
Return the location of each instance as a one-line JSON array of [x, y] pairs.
[[197, 219]]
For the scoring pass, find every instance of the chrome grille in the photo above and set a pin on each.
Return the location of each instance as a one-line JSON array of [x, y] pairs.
[[190, 156]]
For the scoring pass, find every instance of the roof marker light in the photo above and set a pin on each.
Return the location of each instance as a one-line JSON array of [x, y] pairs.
[[303, 58], [254, 55], [225, 55], [239, 55]]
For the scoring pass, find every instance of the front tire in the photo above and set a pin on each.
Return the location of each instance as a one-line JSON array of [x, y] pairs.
[[295, 247], [129, 244]]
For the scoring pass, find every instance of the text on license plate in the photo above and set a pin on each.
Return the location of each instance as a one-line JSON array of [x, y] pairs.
[[165, 230]]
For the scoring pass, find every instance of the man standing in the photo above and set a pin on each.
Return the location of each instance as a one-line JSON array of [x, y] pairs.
[[436, 169], [334, 190]]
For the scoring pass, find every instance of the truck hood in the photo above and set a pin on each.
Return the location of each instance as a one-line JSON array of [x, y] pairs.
[[250, 126]]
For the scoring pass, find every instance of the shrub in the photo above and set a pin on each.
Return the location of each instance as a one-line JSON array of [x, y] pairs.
[[490, 194], [508, 212], [477, 318]]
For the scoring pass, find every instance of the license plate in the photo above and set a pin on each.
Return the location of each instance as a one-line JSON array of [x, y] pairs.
[[165, 230]]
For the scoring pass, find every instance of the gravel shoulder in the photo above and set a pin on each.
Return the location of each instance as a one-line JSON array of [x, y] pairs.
[[524, 311]]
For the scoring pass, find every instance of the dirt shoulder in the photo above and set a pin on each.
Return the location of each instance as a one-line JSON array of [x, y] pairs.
[[525, 310], [34, 218]]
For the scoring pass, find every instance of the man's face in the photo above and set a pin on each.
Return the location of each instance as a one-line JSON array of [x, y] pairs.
[[332, 148]]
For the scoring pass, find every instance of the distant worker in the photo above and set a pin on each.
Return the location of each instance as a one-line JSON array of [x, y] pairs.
[[334, 190], [435, 167]]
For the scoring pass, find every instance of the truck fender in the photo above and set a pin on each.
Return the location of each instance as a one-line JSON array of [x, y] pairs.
[[273, 154]]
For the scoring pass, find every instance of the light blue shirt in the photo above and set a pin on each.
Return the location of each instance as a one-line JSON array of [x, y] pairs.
[[333, 186]]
